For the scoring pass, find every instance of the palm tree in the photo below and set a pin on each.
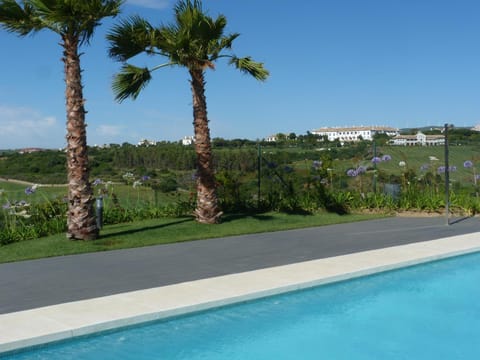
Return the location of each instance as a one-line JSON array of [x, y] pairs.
[[194, 41], [75, 22]]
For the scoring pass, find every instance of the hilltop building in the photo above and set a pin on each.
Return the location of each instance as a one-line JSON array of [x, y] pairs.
[[271, 138], [188, 140], [418, 139], [145, 142], [354, 133], [29, 150]]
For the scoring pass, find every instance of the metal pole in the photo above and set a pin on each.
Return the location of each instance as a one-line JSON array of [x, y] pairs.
[[447, 178], [374, 168], [259, 164]]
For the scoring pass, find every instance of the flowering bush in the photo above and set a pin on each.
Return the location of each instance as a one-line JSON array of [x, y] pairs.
[[376, 160], [24, 220]]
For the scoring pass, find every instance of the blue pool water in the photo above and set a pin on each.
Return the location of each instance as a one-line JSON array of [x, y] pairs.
[[430, 311]]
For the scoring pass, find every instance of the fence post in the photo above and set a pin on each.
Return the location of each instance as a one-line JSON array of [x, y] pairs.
[[447, 178], [374, 168], [259, 168]]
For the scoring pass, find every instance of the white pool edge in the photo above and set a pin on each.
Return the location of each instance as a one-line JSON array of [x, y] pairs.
[[25, 329]]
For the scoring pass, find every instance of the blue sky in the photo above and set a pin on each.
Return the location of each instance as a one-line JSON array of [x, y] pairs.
[[402, 63]]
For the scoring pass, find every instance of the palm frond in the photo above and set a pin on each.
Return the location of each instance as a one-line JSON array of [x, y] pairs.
[[76, 18], [93, 11], [20, 20], [248, 66], [184, 6], [130, 81], [131, 37], [217, 46]]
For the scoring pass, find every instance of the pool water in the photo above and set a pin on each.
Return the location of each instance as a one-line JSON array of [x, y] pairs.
[[430, 311]]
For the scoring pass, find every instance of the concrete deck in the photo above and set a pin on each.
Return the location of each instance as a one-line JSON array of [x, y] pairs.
[[46, 324]]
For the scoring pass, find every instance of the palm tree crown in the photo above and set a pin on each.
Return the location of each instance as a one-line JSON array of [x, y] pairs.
[[64, 17], [194, 41], [75, 22]]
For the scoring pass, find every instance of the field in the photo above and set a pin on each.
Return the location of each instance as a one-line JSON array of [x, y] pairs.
[[291, 180], [126, 194], [416, 159]]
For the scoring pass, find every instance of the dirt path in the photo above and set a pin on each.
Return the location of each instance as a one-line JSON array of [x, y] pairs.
[[28, 183]]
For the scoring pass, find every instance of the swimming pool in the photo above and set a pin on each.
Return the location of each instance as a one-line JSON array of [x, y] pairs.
[[428, 311]]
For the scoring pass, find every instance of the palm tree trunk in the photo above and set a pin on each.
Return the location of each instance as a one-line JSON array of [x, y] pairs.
[[207, 210], [81, 223]]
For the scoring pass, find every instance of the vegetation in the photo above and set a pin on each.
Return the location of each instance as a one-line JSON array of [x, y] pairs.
[[293, 180], [74, 22], [194, 41]]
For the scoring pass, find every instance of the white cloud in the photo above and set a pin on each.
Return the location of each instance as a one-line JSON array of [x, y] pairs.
[[151, 4], [25, 127]]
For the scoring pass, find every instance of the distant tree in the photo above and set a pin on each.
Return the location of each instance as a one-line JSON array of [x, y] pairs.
[[194, 41], [219, 142], [381, 139], [75, 22], [310, 139], [292, 136]]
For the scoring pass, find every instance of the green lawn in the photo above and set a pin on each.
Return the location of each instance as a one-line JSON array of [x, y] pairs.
[[168, 230], [416, 156], [126, 194]]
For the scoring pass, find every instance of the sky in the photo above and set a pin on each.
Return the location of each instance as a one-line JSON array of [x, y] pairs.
[[399, 63]]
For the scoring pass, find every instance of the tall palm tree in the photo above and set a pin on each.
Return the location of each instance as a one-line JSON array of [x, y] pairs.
[[194, 41], [75, 22]]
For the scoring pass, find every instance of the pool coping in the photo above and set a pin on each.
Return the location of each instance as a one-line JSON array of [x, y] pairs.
[[28, 328]]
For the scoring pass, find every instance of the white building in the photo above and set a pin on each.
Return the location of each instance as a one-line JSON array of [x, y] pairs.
[[188, 140], [418, 139], [354, 133], [145, 142], [271, 138]]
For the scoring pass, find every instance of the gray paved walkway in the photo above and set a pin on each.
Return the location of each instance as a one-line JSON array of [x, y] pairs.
[[37, 283]]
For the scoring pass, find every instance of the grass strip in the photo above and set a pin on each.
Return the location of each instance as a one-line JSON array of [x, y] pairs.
[[169, 230]]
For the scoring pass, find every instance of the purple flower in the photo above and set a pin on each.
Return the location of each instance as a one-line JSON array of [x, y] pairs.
[[376, 160], [386, 158], [468, 164], [7, 205], [22, 203], [361, 170], [424, 167], [452, 168], [352, 172], [317, 164], [288, 169], [97, 182], [440, 169], [145, 178], [477, 177], [29, 190]]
